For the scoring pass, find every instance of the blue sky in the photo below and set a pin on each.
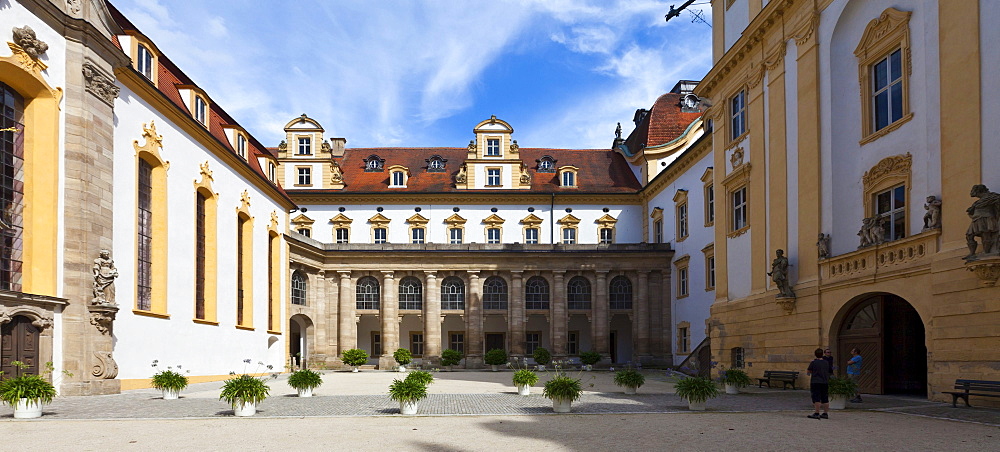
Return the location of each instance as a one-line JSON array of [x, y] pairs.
[[423, 73]]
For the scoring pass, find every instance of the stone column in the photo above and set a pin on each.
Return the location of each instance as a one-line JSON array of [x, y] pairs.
[[387, 314], [599, 327], [517, 319], [432, 319], [348, 337], [559, 319], [474, 323], [640, 328], [331, 306], [316, 343]]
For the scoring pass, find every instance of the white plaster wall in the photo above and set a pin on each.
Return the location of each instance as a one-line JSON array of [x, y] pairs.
[[627, 230], [203, 349], [989, 35], [507, 171], [792, 154], [844, 160], [736, 20], [738, 264]]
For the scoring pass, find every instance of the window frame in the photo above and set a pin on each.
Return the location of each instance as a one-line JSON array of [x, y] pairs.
[[145, 66], [346, 235], [739, 210], [380, 234], [456, 299], [453, 232], [303, 176], [883, 36], [414, 232], [493, 147], [568, 235], [528, 240], [537, 294], [368, 300], [409, 298], [577, 298], [417, 343], [299, 288], [620, 300], [495, 301], [493, 235], [494, 177], [303, 143], [200, 110], [738, 126]]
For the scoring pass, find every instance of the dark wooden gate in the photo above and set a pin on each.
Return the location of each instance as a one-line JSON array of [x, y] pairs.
[[494, 341], [19, 342], [890, 336]]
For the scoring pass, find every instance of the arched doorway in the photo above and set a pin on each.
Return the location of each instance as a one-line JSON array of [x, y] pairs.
[[890, 336], [299, 327], [19, 342]]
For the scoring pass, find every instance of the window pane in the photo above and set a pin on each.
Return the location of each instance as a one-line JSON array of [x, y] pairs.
[[895, 65], [899, 195], [896, 94], [883, 203], [898, 225], [880, 74], [881, 110]]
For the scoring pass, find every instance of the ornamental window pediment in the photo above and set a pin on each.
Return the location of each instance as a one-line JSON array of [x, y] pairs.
[[374, 164]]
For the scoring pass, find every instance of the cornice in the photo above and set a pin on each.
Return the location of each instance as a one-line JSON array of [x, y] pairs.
[[683, 163], [333, 197]]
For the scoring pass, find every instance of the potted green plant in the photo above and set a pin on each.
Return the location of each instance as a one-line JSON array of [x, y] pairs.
[[524, 379], [304, 381], [450, 358], [408, 392], [541, 357], [403, 357], [496, 358], [840, 390], [563, 390], [422, 376], [354, 358], [696, 391], [734, 379], [26, 394], [244, 392], [169, 382], [630, 379], [589, 359]]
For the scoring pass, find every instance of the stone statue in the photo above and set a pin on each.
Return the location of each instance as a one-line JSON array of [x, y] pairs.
[[472, 145], [985, 215], [461, 177], [282, 146], [823, 245], [618, 131], [779, 274], [514, 147], [872, 231], [932, 219], [104, 276], [26, 38]]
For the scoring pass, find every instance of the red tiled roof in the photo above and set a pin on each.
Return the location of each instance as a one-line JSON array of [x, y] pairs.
[[663, 124], [600, 171]]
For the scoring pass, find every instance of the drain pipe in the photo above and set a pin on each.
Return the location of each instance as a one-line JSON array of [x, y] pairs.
[[552, 216]]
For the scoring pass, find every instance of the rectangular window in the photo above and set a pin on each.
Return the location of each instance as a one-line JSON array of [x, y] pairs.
[[890, 210], [573, 343], [241, 146], [376, 343], [380, 235], [568, 179], [568, 236], [417, 235], [493, 235], [305, 176], [709, 205], [199, 109], [240, 223], [531, 236], [456, 341], [305, 146], [682, 282], [305, 232], [455, 235], [658, 231], [199, 257], [711, 272], [145, 62], [683, 346], [739, 209], [493, 177], [532, 341], [272, 172], [145, 238], [343, 235], [738, 115], [493, 146], [606, 235], [398, 179], [417, 344], [682, 221], [887, 90]]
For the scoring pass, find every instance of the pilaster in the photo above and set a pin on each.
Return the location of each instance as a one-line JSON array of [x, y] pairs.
[[557, 310], [599, 328], [389, 320], [432, 319], [474, 323], [348, 337], [640, 327], [517, 317]]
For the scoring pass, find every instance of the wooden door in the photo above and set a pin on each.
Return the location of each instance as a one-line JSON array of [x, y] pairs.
[[862, 329], [494, 341], [19, 342], [613, 337]]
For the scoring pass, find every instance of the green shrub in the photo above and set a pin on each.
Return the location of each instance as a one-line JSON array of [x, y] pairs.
[[421, 376], [402, 356], [736, 377], [524, 377], [629, 378], [541, 356], [354, 357], [562, 387], [450, 357], [843, 386], [305, 379], [590, 358], [244, 389], [495, 357], [696, 389], [31, 387], [407, 390]]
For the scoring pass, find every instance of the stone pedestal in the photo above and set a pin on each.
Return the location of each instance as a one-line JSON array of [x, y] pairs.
[[100, 367], [786, 303], [986, 268]]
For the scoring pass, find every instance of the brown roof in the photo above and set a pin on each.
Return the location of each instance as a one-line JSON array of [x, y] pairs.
[[600, 171], [663, 124]]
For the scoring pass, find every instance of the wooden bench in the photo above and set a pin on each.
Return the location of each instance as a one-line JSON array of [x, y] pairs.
[[786, 377], [981, 388]]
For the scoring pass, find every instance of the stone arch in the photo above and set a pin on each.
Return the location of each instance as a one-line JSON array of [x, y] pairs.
[[301, 343]]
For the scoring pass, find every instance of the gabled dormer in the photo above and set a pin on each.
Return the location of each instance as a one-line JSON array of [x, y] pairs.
[[493, 160], [145, 56], [239, 140], [197, 102], [303, 138], [493, 140]]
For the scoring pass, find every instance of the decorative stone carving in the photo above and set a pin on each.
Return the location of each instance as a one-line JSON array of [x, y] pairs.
[[206, 173], [472, 146], [779, 274], [525, 177], [872, 231], [245, 200], [985, 215], [896, 165], [462, 177], [932, 219], [823, 245], [104, 276], [106, 366], [100, 84], [987, 269], [43, 322], [325, 147], [73, 6], [282, 146], [787, 304], [27, 48], [102, 320], [737, 158], [39, 317], [337, 176], [5, 316], [514, 147]]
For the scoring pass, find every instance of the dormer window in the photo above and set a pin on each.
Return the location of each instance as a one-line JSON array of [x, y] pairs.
[[241, 146], [397, 179], [272, 172], [144, 62], [305, 146], [546, 164], [436, 164], [493, 147], [200, 110], [567, 177], [398, 175], [493, 177], [374, 164]]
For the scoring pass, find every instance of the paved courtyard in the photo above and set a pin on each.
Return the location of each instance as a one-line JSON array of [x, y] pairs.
[[481, 410]]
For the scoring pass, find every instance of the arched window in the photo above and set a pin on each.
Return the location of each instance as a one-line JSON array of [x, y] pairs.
[[536, 293], [367, 293], [452, 293], [411, 293], [578, 293], [620, 293], [495, 293], [298, 288], [11, 187]]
